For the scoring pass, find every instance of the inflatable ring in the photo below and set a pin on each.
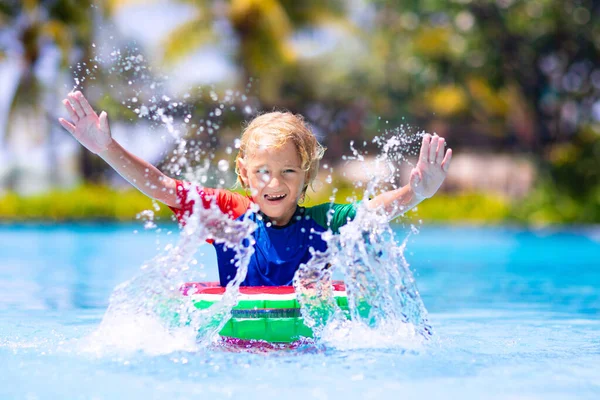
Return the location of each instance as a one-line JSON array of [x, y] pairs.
[[269, 313]]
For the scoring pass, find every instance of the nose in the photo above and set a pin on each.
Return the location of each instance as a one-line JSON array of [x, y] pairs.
[[273, 182]]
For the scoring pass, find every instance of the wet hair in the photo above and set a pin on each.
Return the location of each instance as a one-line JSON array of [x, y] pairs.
[[274, 130]]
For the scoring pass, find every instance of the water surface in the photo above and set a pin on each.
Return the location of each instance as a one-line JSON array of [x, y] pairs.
[[515, 314]]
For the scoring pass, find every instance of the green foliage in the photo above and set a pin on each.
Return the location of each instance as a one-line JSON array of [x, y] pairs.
[[569, 190], [83, 203], [574, 166], [473, 208], [546, 205], [518, 75], [344, 192]]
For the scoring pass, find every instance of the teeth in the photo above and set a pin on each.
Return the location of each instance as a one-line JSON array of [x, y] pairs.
[[275, 197]]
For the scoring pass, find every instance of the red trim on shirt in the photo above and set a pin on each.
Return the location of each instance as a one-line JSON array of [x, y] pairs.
[[231, 203]]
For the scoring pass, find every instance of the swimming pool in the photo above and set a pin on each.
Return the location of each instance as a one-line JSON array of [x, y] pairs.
[[516, 315]]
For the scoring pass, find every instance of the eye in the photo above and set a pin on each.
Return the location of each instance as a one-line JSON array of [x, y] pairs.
[[289, 170], [262, 171]]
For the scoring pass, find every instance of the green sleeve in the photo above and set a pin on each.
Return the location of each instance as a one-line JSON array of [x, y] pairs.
[[339, 215]]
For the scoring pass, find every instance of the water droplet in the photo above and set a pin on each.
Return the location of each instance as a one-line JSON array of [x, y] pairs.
[[223, 165]]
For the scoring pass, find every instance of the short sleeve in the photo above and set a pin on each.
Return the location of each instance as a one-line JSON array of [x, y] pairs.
[[332, 216], [231, 203]]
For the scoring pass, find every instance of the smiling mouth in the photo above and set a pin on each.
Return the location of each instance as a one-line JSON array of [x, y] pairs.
[[275, 197]]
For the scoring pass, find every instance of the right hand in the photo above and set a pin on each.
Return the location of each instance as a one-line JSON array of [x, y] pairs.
[[431, 169], [87, 127]]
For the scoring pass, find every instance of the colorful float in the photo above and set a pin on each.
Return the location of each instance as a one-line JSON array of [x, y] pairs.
[[268, 313]]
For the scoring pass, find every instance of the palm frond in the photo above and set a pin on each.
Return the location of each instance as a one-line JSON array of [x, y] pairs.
[[111, 6], [188, 37], [340, 22], [9, 10], [304, 12], [61, 35]]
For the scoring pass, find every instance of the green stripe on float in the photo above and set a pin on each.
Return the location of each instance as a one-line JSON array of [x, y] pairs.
[[203, 304], [342, 301], [281, 329], [228, 329], [292, 303], [276, 321], [302, 330], [249, 328], [249, 305], [276, 330]]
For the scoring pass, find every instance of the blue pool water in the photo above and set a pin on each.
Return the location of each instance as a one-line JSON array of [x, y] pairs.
[[516, 315]]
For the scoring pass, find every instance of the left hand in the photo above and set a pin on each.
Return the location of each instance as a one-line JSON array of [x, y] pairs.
[[431, 169]]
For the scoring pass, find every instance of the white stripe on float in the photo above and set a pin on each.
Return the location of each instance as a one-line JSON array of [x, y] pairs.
[[256, 297]]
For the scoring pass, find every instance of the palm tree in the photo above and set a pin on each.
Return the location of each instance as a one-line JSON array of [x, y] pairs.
[[260, 29], [30, 28]]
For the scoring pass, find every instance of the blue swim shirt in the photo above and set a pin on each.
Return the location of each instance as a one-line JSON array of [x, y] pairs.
[[278, 250]]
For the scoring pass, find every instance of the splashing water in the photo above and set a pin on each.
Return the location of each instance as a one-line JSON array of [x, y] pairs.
[[385, 308], [148, 312]]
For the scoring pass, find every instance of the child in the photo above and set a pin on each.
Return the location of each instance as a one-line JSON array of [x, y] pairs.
[[278, 159]]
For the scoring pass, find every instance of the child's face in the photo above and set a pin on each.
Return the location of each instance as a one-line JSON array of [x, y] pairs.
[[276, 180]]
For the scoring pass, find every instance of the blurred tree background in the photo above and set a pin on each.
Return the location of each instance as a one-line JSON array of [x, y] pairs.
[[513, 85]]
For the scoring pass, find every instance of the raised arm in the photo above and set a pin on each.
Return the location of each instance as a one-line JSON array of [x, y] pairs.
[[425, 179], [93, 132]]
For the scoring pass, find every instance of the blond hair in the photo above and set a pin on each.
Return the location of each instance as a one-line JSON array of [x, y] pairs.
[[274, 129]]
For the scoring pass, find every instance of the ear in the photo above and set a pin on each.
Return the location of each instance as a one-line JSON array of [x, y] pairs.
[[307, 179], [243, 172]]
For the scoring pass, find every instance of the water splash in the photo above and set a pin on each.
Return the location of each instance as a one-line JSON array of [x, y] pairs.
[[149, 313], [385, 308], [314, 290]]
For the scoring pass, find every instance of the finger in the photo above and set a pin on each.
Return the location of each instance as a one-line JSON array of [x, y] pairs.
[[85, 105], [415, 177], [424, 156], [104, 121], [447, 159], [439, 155], [76, 106], [70, 110], [67, 125], [433, 148]]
